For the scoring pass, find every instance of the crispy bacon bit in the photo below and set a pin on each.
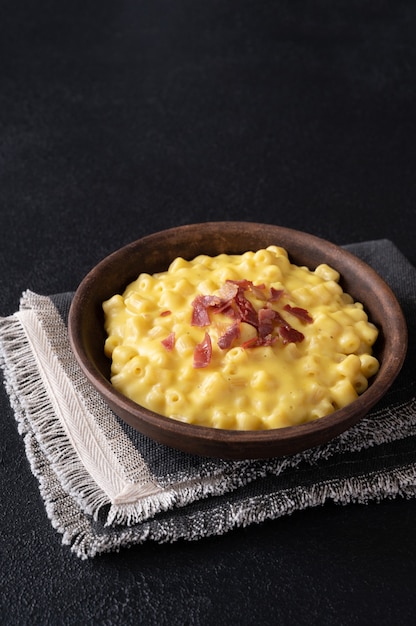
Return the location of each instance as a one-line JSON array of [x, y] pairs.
[[200, 315], [203, 352], [165, 313], [200, 307], [258, 291], [169, 342], [290, 335], [287, 333], [228, 291], [275, 294], [226, 340], [246, 311], [266, 322], [301, 314]]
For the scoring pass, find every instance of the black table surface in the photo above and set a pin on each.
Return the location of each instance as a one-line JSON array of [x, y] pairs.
[[118, 119]]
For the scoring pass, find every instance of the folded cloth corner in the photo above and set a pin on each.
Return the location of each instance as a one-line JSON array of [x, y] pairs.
[[106, 486]]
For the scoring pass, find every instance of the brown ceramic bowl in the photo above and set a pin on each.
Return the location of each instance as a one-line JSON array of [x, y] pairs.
[[154, 253]]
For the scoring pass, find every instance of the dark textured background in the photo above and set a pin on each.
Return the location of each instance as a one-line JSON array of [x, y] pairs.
[[121, 118]]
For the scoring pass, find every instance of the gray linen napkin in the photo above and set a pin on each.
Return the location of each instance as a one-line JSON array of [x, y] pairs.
[[105, 486]]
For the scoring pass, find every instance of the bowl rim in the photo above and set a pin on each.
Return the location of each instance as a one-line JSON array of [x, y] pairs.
[[237, 444]]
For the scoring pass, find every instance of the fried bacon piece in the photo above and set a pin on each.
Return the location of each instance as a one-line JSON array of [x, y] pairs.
[[203, 352], [226, 340], [287, 333], [301, 314], [246, 311], [200, 307], [266, 318], [275, 294], [228, 291], [169, 342]]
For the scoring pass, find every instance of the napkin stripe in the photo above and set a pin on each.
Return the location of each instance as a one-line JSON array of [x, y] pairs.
[[32, 405], [44, 396], [90, 447]]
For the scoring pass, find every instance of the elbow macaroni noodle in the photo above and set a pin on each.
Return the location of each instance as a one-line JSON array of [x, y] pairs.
[[241, 388]]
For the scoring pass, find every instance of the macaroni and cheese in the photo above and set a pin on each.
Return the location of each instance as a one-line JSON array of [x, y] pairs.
[[242, 342]]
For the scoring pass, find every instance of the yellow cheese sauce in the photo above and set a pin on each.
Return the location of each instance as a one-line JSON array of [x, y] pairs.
[[241, 342]]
